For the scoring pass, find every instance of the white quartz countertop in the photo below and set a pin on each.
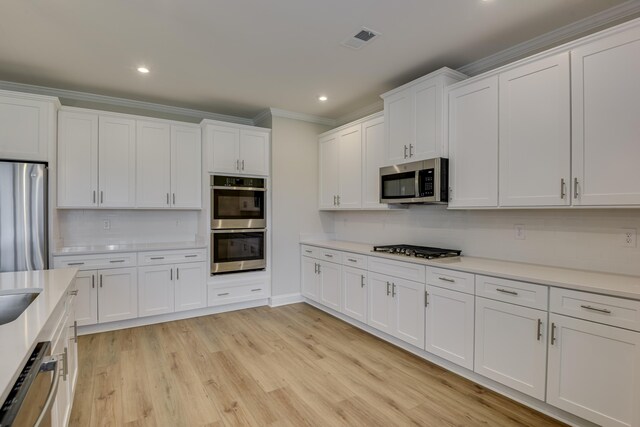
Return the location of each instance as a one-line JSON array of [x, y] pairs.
[[18, 338], [131, 247], [589, 281]]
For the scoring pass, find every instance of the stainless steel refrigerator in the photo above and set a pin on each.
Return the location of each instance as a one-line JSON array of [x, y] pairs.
[[23, 216]]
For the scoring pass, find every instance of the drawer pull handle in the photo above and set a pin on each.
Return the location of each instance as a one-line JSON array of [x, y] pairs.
[[113, 261], [444, 279], [599, 310], [308, 251], [553, 334], [256, 290], [74, 293], [328, 255], [539, 329], [362, 280], [388, 285], [506, 291], [191, 256], [223, 294], [76, 263], [157, 257], [352, 260]]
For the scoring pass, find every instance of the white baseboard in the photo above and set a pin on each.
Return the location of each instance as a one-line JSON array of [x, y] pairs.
[[279, 300], [143, 321]]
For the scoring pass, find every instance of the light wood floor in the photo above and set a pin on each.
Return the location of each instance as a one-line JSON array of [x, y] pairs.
[[288, 366]]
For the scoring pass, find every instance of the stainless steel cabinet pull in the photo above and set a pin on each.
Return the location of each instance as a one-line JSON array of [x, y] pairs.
[[410, 150], [93, 281], [563, 188], [393, 290], [308, 251], [426, 298], [157, 257], [101, 197], [338, 200], [101, 280], [75, 331], [506, 291], [237, 165], [319, 269], [315, 268], [256, 290], [553, 333], [94, 196], [75, 263], [334, 201], [171, 273], [243, 165], [65, 363], [191, 256], [223, 294], [575, 188], [388, 285], [444, 279], [352, 260], [174, 198], [539, 335], [113, 261], [328, 255], [362, 280], [599, 310], [74, 293], [405, 151], [177, 273], [167, 198]]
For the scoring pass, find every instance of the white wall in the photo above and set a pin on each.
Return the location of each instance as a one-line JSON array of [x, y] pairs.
[[85, 227], [294, 178], [584, 239]]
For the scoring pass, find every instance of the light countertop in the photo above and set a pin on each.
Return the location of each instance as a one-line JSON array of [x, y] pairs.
[[18, 338], [132, 247], [582, 280]]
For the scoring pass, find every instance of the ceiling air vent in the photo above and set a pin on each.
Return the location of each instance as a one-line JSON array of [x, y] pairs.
[[364, 36]]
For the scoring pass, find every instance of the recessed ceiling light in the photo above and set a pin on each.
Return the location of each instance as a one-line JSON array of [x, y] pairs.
[[322, 98], [143, 70]]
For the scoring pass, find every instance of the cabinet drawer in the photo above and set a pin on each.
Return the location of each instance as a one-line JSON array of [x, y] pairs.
[[521, 293], [331, 255], [612, 311], [450, 279], [232, 294], [94, 262], [170, 257], [404, 270], [354, 260], [311, 251]]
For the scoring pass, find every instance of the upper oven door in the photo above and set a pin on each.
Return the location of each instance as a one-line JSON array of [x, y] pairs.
[[237, 203]]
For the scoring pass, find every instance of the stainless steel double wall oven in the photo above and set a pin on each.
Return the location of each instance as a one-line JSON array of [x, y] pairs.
[[238, 224]]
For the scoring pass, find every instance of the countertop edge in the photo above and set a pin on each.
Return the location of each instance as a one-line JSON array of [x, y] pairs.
[[143, 247]]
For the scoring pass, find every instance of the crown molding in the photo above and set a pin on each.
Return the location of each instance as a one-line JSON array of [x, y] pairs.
[[276, 112], [367, 110], [261, 116], [121, 102], [564, 34]]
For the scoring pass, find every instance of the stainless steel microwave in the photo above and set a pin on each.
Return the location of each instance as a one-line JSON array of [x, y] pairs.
[[424, 182]]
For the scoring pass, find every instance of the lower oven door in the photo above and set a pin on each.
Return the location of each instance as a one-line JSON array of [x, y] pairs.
[[237, 250]]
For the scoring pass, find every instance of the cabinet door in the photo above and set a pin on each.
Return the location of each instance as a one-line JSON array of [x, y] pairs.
[[354, 293], [329, 170], [380, 310], [330, 281], [117, 162], [117, 294], [399, 126], [428, 118], [408, 300], [473, 144], [535, 134], [155, 290], [223, 146], [511, 345], [350, 167], [186, 166], [373, 156], [191, 286], [254, 152], [77, 160], [310, 281], [153, 164], [87, 298], [594, 371], [605, 104], [449, 326], [25, 128]]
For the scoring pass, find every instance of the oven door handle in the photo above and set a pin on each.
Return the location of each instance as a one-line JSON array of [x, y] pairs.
[[50, 364], [216, 187], [243, 230]]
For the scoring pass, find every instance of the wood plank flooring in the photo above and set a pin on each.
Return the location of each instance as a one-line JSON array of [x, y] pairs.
[[287, 366]]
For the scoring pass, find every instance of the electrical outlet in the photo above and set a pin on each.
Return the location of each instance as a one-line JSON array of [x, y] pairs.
[[519, 229], [106, 224], [629, 237]]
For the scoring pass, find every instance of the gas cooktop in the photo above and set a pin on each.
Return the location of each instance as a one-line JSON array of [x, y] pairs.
[[417, 251]]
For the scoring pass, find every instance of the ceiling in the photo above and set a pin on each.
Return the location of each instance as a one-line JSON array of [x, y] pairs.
[[238, 57]]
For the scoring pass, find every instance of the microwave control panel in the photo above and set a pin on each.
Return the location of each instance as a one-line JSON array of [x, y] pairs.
[[427, 183]]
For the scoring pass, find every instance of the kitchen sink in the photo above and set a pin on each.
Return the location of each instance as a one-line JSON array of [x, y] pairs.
[[13, 305]]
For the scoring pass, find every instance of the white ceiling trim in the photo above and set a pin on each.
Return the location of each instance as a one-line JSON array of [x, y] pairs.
[[361, 112], [563, 34], [122, 102], [276, 112]]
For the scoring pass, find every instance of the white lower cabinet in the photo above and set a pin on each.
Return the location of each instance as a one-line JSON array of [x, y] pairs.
[[511, 345], [330, 281], [155, 290], [87, 298], [594, 371], [310, 280], [380, 309], [190, 286], [354, 293], [449, 325], [118, 294]]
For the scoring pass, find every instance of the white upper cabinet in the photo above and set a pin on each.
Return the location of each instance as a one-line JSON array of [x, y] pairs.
[[153, 164], [535, 134], [117, 162], [605, 121], [373, 157], [27, 126], [77, 159], [414, 118], [473, 144], [350, 167], [329, 170], [186, 167], [237, 150]]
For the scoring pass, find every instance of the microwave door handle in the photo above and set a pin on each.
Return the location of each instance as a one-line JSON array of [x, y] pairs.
[[416, 193]]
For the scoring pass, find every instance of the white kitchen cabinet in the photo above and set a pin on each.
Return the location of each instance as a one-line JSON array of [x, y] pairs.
[[354, 293], [380, 311], [254, 152], [511, 345], [449, 325], [77, 160], [237, 150], [605, 104], [87, 298], [186, 177], [27, 126], [594, 371], [473, 144], [118, 294], [117, 162], [155, 290], [190, 286], [310, 280], [373, 158], [535, 134], [330, 284], [414, 118], [329, 171], [223, 144], [350, 167], [153, 164]]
